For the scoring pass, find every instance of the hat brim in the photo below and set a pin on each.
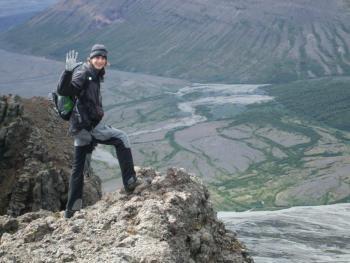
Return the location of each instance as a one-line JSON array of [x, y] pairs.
[[97, 53]]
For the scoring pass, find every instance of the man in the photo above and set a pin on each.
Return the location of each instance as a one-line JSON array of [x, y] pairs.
[[83, 82]]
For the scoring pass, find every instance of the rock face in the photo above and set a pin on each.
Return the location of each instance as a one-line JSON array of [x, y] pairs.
[[35, 158], [168, 218]]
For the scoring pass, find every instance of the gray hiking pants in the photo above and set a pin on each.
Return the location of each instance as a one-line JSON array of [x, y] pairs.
[[84, 143]]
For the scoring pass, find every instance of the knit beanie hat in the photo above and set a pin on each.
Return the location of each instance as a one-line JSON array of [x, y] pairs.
[[98, 50]]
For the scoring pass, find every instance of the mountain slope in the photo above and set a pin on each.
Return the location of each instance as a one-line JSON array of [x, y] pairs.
[[201, 40]]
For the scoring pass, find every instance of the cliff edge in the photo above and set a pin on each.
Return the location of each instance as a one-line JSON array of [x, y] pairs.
[[168, 218]]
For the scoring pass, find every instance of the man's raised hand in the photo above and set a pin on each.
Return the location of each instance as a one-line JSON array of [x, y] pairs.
[[71, 60]]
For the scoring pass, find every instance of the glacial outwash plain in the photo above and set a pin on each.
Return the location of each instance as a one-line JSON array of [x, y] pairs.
[[256, 146]]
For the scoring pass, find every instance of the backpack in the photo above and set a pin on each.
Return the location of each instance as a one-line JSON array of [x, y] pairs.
[[63, 105]]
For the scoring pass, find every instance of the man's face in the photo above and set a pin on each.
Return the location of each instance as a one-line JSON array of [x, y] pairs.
[[98, 62]]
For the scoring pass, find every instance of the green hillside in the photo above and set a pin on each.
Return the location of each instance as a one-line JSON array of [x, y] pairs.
[[325, 100]]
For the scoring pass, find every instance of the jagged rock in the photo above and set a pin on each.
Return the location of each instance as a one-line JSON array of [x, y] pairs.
[[168, 218], [35, 158], [8, 225], [10, 108]]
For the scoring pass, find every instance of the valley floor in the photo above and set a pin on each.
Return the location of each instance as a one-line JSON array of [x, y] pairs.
[[250, 150]]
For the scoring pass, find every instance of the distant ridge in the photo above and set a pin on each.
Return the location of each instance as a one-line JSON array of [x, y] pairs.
[[260, 41]]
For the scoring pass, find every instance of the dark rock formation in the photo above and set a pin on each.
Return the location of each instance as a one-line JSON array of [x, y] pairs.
[[35, 158], [168, 218]]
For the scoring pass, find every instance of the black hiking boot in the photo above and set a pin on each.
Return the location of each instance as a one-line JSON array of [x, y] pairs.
[[69, 213], [131, 184]]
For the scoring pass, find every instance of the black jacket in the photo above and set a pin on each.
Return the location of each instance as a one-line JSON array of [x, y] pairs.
[[84, 85]]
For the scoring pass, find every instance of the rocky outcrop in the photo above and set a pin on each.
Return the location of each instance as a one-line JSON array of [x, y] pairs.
[[35, 158], [168, 218]]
